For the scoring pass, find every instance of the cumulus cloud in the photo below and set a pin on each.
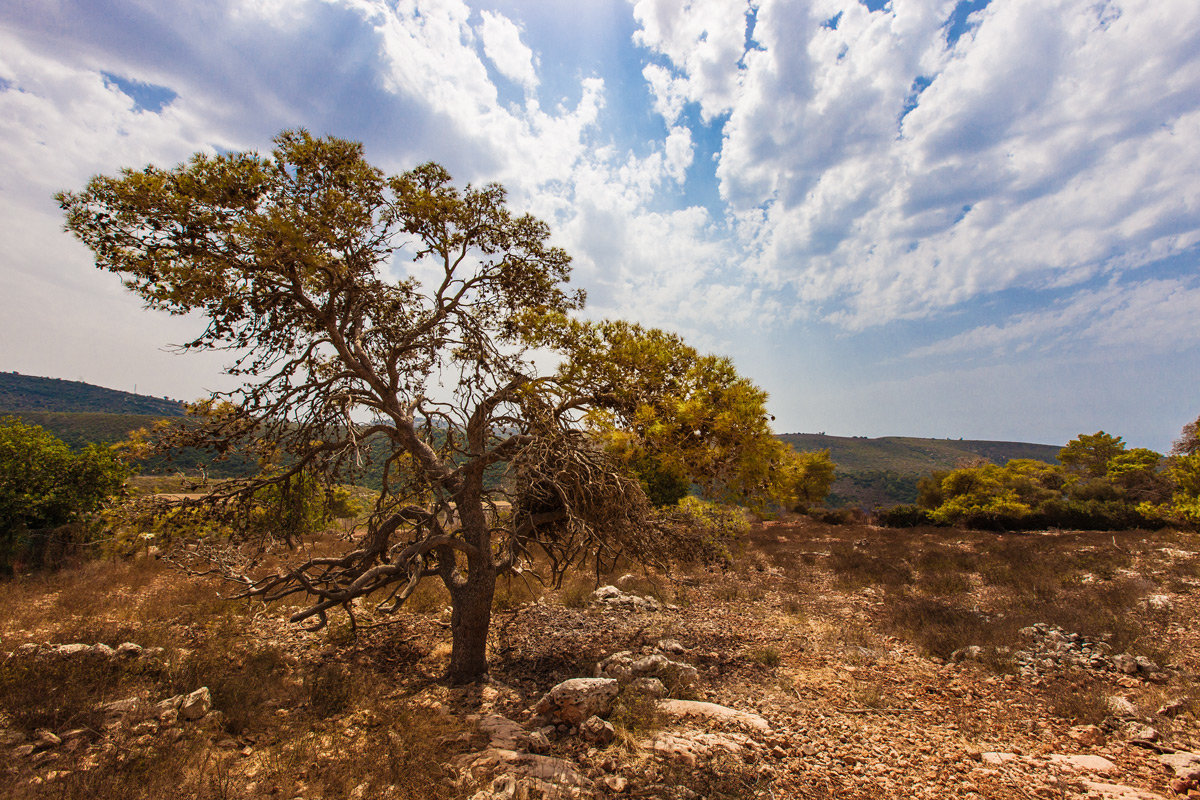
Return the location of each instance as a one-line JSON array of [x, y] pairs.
[[879, 171], [502, 44], [705, 40]]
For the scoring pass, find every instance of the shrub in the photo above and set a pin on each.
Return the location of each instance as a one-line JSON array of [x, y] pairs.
[[45, 487], [329, 688], [902, 516]]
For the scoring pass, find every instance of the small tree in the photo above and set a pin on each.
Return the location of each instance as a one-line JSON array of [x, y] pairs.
[[1188, 443], [1088, 454], [288, 259], [45, 485]]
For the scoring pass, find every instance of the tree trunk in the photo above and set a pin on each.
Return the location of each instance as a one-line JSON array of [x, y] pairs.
[[470, 619]]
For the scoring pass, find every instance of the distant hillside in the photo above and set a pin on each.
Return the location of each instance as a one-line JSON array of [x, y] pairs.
[[885, 471], [81, 428], [21, 393]]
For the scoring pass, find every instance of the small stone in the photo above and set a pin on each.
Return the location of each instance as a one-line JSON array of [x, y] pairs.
[[196, 705], [574, 700], [46, 739], [597, 730], [1084, 763], [128, 650], [1122, 707], [1125, 663], [1172, 709], [1145, 734], [616, 784], [75, 649], [1086, 734]]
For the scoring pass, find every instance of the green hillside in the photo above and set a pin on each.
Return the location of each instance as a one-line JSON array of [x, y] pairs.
[[885, 471], [21, 393]]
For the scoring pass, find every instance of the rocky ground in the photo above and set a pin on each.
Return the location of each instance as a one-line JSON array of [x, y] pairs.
[[827, 661]]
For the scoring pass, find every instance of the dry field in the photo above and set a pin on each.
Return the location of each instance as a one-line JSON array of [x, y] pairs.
[[848, 640]]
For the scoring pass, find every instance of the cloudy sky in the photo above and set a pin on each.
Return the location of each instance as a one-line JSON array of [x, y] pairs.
[[915, 217]]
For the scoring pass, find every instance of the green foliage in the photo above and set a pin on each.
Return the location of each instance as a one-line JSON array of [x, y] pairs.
[[672, 416], [1088, 455], [1100, 485], [44, 485], [710, 529], [1188, 443], [812, 476], [903, 516]]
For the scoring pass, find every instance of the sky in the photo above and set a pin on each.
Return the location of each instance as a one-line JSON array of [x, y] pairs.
[[917, 218]]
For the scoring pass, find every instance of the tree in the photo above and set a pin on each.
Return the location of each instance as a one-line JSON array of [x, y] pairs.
[[287, 259], [673, 416], [45, 485], [814, 475], [1088, 455], [1188, 443]]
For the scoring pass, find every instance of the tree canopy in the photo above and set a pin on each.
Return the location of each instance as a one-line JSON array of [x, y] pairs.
[[358, 305]]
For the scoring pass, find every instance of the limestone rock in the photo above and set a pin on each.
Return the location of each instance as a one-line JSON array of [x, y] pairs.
[[503, 733], [1185, 764], [616, 784], [1084, 763], [128, 650], [1112, 791], [1172, 708], [1122, 707], [1086, 734], [613, 597], [683, 709], [196, 705], [692, 747], [492, 762], [624, 667], [597, 730], [574, 700]]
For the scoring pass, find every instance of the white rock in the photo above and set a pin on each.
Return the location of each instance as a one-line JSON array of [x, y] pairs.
[[682, 709], [574, 700], [1084, 763], [196, 704], [503, 732], [1122, 707], [1185, 764]]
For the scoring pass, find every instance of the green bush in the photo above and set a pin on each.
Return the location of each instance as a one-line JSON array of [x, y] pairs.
[[48, 493], [903, 516]]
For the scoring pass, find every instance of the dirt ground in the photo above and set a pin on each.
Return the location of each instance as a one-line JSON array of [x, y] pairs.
[[848, 640]]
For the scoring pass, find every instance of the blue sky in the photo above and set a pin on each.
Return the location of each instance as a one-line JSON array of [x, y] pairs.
[[919, 217]]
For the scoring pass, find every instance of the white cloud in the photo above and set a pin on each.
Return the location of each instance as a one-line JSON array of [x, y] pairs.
[[1145, 317], [705, 39], [1054, 141], [502, 44]]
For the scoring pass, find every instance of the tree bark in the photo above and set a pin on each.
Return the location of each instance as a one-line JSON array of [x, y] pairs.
[[470, 619]]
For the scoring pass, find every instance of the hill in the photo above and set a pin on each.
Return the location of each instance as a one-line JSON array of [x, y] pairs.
[[885, 471], [22, 393]]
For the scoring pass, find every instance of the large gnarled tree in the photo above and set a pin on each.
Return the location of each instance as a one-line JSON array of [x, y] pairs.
[[288, 258]]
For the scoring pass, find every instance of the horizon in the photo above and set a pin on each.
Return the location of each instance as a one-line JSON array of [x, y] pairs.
[[136, 393], [973, 216]]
